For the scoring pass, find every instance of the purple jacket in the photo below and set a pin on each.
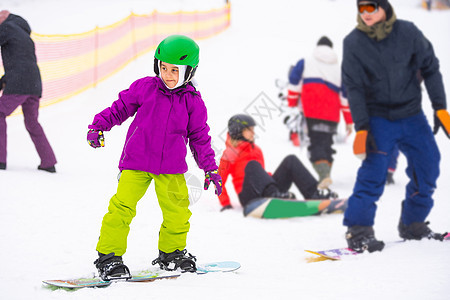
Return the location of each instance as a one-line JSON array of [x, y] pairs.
[[165, 121]]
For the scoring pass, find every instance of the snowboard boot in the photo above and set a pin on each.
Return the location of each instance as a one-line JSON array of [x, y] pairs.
[[323, 194], [361, 238], [2, 166], [285, 195], [417, 231], [111, 267], [323, 168], [177, 259], [272, 191]]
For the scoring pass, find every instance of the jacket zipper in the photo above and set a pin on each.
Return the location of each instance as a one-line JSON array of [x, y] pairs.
[[165, 134]]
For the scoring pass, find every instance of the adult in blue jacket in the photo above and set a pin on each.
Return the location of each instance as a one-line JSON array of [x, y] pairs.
[[383, 58]]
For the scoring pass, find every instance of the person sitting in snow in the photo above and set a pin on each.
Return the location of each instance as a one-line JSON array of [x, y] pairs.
[[169, 112], [318, 80], [244, 161], [382, 57]]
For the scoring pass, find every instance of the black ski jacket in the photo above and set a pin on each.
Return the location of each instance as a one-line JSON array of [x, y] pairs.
[[22, 74], [382, 79]]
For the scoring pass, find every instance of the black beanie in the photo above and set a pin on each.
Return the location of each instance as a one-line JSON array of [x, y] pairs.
[[325, 41]]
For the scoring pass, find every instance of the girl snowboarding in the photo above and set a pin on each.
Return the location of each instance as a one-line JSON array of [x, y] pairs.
[[169, 113]]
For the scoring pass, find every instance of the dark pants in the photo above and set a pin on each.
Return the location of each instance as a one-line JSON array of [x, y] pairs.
[[30, 109], [258, 183], [393, 159], [416, 141], [321, 139]]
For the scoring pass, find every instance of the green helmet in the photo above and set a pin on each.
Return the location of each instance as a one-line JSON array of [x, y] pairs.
[[178, 50]]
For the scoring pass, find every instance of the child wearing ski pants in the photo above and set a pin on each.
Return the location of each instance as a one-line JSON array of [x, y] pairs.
[[168, 113]]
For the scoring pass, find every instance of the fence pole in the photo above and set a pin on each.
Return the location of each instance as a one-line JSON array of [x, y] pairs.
[[133, 35], [96, 46]]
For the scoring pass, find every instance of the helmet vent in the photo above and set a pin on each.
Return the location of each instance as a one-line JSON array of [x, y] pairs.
[[159, 51], [183, 57]]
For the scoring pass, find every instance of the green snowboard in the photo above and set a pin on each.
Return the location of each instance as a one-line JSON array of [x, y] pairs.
[[273, 208]]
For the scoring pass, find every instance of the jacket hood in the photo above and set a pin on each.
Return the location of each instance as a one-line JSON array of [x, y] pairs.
[[380, 30], [4, 14], [325, 54]]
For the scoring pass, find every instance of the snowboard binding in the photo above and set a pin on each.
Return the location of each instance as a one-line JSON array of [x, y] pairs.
[[176, 260], [111, 267]]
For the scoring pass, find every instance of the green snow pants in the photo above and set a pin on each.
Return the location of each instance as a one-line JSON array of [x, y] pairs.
[[173, 198]]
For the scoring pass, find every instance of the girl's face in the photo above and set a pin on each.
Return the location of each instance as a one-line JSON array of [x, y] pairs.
[[249, 133], [169, 74]]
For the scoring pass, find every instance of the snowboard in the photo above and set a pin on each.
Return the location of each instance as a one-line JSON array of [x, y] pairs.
[[331, 254], [339, 253], [274, 208], [151, 274]]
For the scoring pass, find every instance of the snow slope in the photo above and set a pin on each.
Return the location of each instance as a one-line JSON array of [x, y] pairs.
[[49, 223]]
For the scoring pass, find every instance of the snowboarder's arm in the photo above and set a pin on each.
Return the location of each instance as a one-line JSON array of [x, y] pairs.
[[120, 110], [295, 76], [345, 108], [198, 134], [429, 70], [352, 75]]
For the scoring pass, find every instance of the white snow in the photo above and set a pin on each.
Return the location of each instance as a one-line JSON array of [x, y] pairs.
[[49, 223]]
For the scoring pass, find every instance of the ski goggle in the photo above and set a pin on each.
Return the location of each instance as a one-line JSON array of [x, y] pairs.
[[368, 7]]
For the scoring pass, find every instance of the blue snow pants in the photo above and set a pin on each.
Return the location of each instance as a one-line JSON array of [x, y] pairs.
[[392, 166], [416, 141]]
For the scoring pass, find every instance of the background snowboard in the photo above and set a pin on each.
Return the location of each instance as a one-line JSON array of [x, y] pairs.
[[273, 208], [339, 253], [151, 274]]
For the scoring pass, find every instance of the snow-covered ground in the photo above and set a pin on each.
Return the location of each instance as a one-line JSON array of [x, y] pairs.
[[49, 223]]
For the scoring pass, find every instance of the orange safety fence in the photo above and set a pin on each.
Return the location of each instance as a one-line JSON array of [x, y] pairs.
[[72, 63]]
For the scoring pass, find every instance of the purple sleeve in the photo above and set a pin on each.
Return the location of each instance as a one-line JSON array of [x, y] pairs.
[[198, 134], [120, 110]]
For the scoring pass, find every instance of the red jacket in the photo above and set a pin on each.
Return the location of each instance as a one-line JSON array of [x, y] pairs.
[[233, 162]]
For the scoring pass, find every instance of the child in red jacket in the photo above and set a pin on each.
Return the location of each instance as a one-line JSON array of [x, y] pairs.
[[244, 161]]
